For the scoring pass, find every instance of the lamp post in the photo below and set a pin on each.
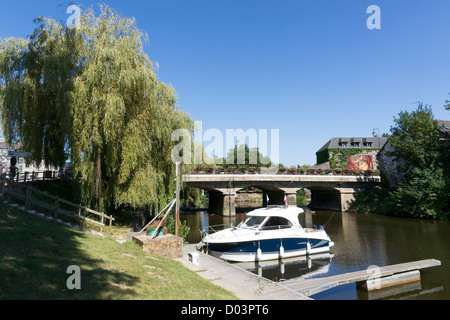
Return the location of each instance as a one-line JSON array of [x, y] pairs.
[[376, 134]]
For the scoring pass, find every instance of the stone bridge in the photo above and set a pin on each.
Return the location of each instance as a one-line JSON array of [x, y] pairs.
[[327, 192]]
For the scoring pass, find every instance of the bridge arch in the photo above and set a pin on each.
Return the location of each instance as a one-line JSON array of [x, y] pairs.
[[325, 197], [327, 192], [274, 194]]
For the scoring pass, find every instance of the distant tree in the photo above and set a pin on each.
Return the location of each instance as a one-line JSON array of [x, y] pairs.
[[243, 155], [415, 138]]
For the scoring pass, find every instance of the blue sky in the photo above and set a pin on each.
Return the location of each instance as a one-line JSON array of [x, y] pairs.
[[311, 69]]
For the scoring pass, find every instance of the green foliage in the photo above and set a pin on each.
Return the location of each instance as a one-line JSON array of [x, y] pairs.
[[338, 157], [183, 228], [424, 190], [322, 156], [301, 199], [422, 194], [35, 77], [242, 154], [415, 138], [92, 93]]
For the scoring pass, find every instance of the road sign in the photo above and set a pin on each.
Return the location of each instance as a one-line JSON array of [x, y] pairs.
[[21, 154]]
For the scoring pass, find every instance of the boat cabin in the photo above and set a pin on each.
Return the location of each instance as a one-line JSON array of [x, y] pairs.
[[272, 217]]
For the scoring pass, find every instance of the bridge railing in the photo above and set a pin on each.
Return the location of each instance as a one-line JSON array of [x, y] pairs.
[[200, 169]]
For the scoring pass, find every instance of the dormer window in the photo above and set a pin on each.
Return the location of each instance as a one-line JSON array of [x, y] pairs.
[[368, 144], [343, 144], [355, 144]]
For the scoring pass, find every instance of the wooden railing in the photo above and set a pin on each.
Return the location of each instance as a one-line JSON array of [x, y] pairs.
[[27, 176], [32, 198]]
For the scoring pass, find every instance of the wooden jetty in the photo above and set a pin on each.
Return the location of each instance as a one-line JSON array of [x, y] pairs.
[[249, 286], [372, 278]]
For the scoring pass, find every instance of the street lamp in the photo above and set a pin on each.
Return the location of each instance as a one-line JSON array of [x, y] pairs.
[[376, 134]]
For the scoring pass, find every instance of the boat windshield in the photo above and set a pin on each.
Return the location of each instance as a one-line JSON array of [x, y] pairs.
[[252, 222]]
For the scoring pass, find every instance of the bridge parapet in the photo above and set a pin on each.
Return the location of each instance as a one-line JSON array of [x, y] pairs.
[[330, 192]]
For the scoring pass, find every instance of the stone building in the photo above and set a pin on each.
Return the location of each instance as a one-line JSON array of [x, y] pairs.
[[335, 153]]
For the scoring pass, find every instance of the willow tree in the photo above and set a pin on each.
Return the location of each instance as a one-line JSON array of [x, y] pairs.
[[113, 114], [35, 77]]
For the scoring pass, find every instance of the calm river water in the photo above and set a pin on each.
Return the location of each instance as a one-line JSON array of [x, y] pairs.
[[361, 240]]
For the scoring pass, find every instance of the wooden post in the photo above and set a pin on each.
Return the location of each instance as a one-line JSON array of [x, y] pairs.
[[27, 199], [55, 212], [2, 189], [84, 218], [110, 224], [32, 176], [177, 207]]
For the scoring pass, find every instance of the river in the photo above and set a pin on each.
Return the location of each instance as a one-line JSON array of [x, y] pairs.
[[361, 240]]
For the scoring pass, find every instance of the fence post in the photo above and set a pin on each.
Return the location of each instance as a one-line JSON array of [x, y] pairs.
[[27, 198], [110, 224], [84, 218], [2, 189], [55, 212]]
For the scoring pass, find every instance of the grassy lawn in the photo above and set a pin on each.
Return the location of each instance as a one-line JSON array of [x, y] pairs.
[[35, 255]]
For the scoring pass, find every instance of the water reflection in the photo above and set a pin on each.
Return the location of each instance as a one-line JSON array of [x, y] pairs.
[[305, 267], [361, 240]]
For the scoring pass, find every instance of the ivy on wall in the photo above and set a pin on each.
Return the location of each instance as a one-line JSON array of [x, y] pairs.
[[338, 156]]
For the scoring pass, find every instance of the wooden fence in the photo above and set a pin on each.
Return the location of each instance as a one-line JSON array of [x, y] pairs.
[[34, 175], [32, 198]]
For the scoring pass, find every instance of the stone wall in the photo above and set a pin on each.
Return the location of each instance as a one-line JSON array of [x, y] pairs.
[[389, 166]]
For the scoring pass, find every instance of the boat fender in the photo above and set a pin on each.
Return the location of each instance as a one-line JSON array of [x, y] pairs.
[[281, 251], [308, 248], [258, 253]]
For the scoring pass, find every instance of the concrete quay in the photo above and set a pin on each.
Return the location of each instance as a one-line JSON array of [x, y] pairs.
[[244, 284]]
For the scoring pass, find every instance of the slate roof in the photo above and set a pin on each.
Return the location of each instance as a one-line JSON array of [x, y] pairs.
[[376, 143]]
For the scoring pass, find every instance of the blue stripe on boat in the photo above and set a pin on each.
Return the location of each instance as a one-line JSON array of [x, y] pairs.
[[268, 246]]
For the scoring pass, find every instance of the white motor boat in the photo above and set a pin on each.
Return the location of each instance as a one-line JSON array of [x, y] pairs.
[[267, 233]]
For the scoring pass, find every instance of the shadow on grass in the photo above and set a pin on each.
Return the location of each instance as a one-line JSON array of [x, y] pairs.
[[35, 255]]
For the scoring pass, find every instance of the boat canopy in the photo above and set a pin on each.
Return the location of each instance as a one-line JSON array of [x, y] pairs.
[[288, 212]]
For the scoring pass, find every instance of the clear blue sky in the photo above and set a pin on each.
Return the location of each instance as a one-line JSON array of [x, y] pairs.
[[309, 68]]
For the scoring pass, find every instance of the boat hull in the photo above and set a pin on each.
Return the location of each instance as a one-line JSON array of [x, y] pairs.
[[268, 249]]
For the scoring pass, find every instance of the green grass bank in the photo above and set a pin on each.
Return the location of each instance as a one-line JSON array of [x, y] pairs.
[[35, 255]]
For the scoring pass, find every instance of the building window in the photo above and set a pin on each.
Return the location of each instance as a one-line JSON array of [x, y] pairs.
[[343, 144], [355, 144], [368, 144]]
